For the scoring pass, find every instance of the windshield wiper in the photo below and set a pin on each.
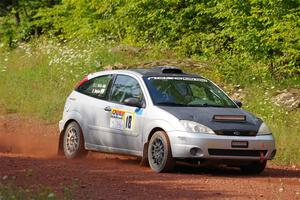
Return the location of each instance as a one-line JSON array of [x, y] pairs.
[[170, 104], [215, 105], [211, 105], [206, 105]]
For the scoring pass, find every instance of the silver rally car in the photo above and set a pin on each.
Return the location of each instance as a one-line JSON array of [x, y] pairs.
[[163, 115]]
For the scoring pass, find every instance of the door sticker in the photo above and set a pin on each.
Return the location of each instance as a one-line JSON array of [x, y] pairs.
[[139, 111], [122, 120]]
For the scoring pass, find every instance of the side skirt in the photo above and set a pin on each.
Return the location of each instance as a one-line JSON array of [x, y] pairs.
[[93, 147]]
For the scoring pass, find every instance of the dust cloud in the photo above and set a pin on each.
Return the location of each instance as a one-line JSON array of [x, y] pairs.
[[28, 137]]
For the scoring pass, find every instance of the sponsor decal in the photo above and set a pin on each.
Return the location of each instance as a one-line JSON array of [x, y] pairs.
[[177, 78], [138, 111], [122, 120]]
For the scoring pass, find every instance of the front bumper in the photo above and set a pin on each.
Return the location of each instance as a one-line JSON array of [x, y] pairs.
[[207, 146]]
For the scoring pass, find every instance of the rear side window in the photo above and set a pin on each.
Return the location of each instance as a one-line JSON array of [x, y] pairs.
[[125, 87], [96, 87]]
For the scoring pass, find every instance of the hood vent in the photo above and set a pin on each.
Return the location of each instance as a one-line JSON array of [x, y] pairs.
[[229, 118]]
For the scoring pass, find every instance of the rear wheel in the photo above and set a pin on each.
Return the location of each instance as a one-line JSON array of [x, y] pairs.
[[73, 143], [254, 168], [159, 153]]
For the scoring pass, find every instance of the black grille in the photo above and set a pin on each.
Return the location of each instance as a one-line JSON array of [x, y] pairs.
[[236, 133], [229, 152]]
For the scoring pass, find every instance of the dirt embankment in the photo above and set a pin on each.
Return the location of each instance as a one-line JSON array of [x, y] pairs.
[[28, 159]]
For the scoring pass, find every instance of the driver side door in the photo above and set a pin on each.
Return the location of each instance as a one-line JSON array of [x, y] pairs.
[[125, 122]]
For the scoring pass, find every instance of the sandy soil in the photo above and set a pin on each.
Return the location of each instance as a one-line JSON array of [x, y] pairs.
[[28, 159]]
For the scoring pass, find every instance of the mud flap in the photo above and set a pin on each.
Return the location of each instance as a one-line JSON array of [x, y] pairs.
[[144, 161], [60, 149]]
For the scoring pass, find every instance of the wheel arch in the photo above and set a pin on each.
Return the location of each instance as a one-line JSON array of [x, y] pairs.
[[154, 126], [153, 131]]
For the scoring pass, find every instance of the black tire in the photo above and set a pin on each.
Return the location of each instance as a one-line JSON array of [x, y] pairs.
[[73, 143], [254, 168], [159, 153]]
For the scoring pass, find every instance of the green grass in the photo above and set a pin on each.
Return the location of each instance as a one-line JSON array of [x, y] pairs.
[[36, 78], [10, 190], [284, 123], [13, 192]]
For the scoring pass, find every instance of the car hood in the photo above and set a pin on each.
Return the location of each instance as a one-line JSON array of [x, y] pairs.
[[205, 116]]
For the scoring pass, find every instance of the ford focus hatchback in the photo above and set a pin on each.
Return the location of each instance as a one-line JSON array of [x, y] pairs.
[[163, 115]]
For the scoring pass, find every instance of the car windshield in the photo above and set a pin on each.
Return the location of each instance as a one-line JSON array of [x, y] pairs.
[[186, 91]]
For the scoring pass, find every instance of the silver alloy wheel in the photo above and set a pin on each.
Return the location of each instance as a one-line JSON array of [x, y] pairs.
[[72, 140], [157, 150]]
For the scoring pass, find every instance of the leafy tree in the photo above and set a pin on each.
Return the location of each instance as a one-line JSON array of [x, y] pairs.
[[258, 30], [22, 11]]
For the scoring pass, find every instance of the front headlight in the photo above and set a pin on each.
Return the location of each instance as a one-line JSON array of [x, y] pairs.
[[264, 130], [195, 127]]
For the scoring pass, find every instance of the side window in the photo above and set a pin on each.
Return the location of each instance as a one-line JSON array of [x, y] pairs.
[[96, 87], [125, 87]]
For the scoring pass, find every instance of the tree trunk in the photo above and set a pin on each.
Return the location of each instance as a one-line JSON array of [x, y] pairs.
[[52, 3], [15, 4]]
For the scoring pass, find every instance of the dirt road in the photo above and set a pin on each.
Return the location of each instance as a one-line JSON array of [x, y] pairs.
[[28, 159]]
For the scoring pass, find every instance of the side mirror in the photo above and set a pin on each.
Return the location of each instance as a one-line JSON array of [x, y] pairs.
[[132, 101], [238, 103]]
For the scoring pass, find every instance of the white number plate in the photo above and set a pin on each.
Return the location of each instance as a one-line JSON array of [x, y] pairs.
[[239, 144]]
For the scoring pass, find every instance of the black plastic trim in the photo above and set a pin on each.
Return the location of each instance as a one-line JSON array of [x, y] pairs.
[[231, 152]]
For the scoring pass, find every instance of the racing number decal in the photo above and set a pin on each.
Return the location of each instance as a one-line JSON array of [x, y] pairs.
[[128, 121], [122, 120]]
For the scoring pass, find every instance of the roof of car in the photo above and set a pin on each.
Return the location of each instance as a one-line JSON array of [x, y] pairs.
[[160, 71], [163, 71]]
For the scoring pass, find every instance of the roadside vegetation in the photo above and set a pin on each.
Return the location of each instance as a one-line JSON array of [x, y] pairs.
[[10, 189], [12, 192], [249, 47]]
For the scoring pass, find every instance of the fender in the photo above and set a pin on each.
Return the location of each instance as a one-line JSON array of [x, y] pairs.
[[161, 124], [73, 115], [148, 129]]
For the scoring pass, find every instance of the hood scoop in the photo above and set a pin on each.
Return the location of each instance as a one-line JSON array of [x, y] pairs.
[[229, 118]]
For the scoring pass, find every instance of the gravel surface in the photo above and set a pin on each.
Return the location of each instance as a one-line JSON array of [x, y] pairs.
[[28, 159]]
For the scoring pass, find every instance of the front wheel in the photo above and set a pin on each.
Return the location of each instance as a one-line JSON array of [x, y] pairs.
[[73, 144], [254, 168], [159, 153]]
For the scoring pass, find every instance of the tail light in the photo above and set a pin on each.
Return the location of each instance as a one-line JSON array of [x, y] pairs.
[[85, 79]]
